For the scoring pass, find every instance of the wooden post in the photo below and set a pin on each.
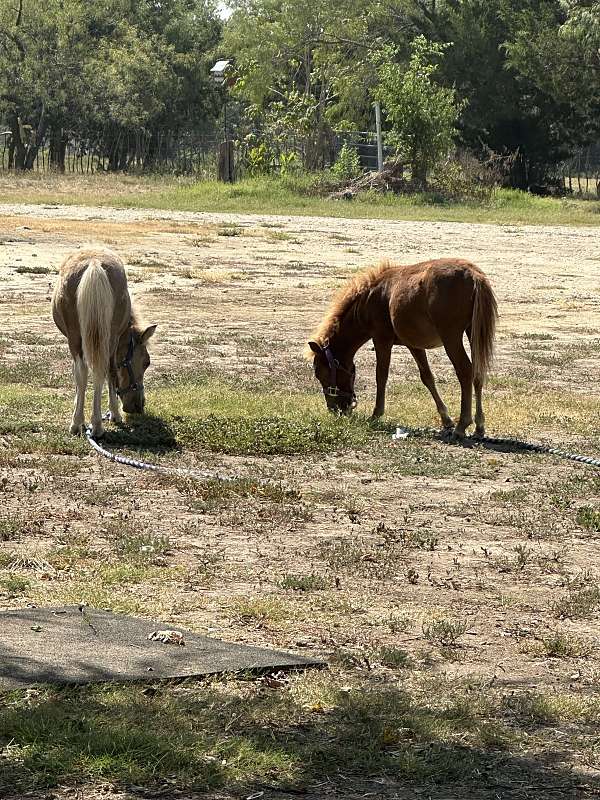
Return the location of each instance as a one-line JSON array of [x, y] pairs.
[[379, 137], [225, 167]]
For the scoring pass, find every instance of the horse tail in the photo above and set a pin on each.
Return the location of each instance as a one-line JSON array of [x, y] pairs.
[[95, 304], [483, 327]]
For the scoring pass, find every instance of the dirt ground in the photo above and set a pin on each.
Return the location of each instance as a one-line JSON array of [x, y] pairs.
[[490, 541]]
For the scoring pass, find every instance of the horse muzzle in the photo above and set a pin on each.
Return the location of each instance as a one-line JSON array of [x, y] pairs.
[[134, 402]]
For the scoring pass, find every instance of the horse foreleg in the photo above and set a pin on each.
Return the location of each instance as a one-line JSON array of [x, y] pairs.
[[420, 356], [80, 374], [383, 351], [113, 398], [464, 372]]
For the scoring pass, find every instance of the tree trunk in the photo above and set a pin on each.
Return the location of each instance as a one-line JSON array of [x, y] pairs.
[[419, 175], [58, 149], [11, 153], [18, 146], [37, 141]]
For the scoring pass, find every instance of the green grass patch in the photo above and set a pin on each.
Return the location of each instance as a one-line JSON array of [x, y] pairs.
[[589, 518], [14, 585], [240, 736], [10, 528], [292, 195], [578, 603], [562, 645], [445, 632]]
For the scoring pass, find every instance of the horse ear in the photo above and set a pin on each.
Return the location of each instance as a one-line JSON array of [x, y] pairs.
[[315, 347], [148, 333]]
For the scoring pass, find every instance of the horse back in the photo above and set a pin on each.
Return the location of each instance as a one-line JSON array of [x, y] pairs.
[[430, 298]]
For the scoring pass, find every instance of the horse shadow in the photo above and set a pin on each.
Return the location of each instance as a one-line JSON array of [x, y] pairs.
[[144, 432], [471, 442]]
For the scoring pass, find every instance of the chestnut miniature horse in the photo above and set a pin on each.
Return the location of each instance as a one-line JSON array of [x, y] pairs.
[[91, 306], [422, 306]]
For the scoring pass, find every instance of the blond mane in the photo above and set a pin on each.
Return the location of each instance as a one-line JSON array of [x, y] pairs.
[[344, 300], [137, 321]]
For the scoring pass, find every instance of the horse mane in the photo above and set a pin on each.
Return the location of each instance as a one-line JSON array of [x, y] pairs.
[[138, 324], [344, 300]]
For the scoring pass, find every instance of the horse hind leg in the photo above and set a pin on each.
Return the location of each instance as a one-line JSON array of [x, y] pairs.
[[479, 415], [97, 427], [420, 356], [80, 373], [478, 386], [456, 352]]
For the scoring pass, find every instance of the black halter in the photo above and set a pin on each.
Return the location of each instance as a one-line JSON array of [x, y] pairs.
[[126, 364], [333, 390]]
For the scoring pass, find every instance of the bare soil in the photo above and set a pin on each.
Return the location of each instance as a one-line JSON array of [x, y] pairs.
[[495, 538]]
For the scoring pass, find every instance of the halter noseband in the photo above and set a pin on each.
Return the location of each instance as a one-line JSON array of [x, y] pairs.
[[332, 390], [126, 364]]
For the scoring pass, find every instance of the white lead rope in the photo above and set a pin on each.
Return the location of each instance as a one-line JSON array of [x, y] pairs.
[[401, 433], [158, 468], [514, 444]]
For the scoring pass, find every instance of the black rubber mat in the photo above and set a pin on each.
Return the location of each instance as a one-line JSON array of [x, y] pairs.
[[77, 644]]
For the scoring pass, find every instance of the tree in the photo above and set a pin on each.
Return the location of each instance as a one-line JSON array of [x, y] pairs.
[[102, 69], [298, 68], [421, 113], [557, 60]]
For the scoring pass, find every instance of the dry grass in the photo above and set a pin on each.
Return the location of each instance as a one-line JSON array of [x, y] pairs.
[[440, 583]]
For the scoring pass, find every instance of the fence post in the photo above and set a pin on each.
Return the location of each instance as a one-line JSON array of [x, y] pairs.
[[225, 168], [379, 137]]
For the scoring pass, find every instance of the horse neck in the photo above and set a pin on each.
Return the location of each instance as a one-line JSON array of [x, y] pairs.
[[352, 333]]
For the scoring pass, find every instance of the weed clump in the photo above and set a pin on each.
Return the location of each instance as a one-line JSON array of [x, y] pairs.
[[303, 583], [445, 632]]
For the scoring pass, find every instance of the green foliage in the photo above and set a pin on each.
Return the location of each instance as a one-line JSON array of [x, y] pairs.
[[14, 585], [268, 435], [445, 632], [85, 67], [422, 114], [297, 66], [347, 164], [259, 160]]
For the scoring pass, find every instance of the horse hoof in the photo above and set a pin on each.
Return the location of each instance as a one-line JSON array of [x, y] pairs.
[[479, 433], [97, 432], [116, 418], [457, 436], [77, 429]]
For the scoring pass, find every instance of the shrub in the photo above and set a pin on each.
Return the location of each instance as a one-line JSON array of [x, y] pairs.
[[421, 113], [347, 165]]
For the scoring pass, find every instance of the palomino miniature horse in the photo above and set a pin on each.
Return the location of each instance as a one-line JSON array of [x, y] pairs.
[[422, 306], [92, 308]]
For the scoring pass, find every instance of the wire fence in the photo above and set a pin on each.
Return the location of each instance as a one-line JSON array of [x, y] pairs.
[[365, 144], [135, 151], [165, 152], [581, 173]]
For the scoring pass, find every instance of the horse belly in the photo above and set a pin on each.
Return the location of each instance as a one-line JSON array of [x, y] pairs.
[[417, 334]]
